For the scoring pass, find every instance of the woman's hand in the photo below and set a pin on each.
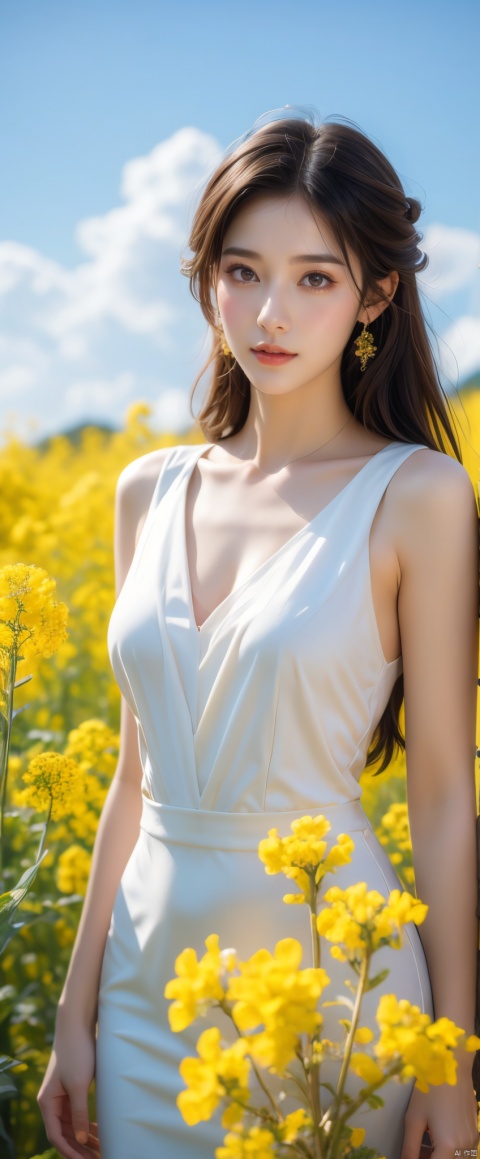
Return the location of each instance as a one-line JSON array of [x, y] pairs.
[[449, 1113], [63, 1095]]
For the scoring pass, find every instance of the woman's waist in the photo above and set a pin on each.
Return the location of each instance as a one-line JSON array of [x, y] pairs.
[[241, 830]]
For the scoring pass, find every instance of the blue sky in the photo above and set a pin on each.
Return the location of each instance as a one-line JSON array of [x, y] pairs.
[[105, 101]]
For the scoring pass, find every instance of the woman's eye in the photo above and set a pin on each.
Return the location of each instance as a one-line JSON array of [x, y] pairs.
[[323, 279], [243, 269]]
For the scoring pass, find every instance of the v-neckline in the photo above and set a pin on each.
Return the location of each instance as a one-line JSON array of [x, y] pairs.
[[276, 554]]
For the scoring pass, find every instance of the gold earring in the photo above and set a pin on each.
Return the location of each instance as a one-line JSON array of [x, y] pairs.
[[365, 348], [225, 347]]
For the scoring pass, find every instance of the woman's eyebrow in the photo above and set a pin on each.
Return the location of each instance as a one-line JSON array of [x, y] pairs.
[[234, 249]]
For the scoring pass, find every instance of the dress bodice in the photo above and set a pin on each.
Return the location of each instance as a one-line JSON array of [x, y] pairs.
[[272, 704]]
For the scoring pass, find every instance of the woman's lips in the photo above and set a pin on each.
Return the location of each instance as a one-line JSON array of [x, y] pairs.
[[272, 359]]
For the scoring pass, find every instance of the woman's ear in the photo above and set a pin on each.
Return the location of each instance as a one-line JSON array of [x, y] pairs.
[[375, 306]]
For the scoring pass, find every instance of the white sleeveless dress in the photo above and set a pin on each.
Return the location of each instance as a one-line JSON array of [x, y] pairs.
[[262, 715]]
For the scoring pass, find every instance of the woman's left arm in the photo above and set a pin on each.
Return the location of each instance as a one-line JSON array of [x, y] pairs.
[[437, 526]]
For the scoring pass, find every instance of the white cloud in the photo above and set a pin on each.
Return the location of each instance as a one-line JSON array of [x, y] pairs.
[[22, 364], [172, 411], [17, 379], [98, 398], [123, 317], [132, 249], [454, 258], [22, 265], [460, 349]]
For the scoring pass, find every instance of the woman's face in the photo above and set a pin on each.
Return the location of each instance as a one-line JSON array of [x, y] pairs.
[[306, 304]]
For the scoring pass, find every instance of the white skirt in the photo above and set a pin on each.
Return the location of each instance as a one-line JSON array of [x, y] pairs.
[[193, 873]]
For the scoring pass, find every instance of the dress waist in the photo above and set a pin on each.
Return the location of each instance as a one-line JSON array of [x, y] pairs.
[[240, 831]]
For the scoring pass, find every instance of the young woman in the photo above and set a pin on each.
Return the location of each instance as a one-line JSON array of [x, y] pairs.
[[281, 589]]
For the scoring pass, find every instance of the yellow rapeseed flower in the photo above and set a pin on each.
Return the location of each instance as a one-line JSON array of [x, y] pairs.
[[65, 934], [217, 1073], [394, 834], [137, 410], [366, 1067], [304, 856], [95, 746], [51, 778], [274, 1002], [256, 1143], [198, 983], [136, 420], [360, 919], [294, 1124], [31, 621], [425, 1047], [357, 1136], [401, 908], [395, 826], [363, 1034], [73, 870]]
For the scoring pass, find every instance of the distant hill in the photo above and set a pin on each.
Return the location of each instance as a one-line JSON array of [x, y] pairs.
[[74, 434], [472, 383]]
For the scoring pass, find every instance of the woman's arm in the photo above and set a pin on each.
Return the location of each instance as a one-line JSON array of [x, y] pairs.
[[64, 1091], [63, 1096], [436, 523]]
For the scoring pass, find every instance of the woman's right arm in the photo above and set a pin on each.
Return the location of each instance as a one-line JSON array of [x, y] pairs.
[[63, 1096]]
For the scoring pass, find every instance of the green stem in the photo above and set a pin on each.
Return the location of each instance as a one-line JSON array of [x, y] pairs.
[[315, 1103], [266, 1091], [5, 746], [312, 905], [370, 1090], [299, 1148], [298, 1082], [226, 1009], [45, 827], [334, 1109], [313, 1076], [265, 1116]]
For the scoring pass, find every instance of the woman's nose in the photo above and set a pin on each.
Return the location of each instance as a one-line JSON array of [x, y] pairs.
[[273, 315]]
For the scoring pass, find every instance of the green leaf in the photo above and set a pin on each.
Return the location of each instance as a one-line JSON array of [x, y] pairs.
[[6, 1062], [27, 918], [8, 1089], [371, 1099], [10, 900], [328, 1087], [376, 980]]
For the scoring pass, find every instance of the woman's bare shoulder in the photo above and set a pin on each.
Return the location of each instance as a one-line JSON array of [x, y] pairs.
[[142, 472], [430, 494], [431, 476], [137, 481], [134, 491]]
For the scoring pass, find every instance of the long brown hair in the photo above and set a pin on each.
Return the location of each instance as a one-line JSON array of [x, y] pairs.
[[343, 176]]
